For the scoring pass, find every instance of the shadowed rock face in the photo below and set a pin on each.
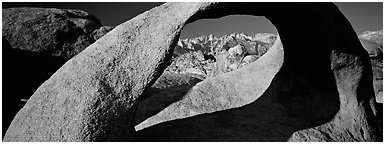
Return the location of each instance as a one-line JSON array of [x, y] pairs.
[[39, 41], [23, 72], [52, 31], [322, 91], [309, 99], [92, 97], [372, 42], [169, 88]]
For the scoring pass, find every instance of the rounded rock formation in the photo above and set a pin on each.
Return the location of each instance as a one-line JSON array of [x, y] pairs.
[[98, 33], [93, 96], [322, 94], [40, 41], [248, 59], [325, 95], [237, 50], [51, 31]]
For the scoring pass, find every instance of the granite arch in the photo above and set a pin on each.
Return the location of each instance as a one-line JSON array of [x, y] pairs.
[[324, 81]]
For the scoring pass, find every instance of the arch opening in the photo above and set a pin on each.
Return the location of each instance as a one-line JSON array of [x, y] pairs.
[[204, 46], [292, 91], [211, 54], [310, 94], [307, 87]]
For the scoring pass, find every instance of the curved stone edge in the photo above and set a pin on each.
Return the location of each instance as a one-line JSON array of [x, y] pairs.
[[94, 95]]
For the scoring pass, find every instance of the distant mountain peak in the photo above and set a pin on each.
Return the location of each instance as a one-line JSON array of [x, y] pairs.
[[373, 36]]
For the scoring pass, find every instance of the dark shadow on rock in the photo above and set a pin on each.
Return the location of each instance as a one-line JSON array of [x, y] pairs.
[[169, 88], [158, 99], [380, 116], [291, 103], [23, 73], [323, 91], [262, 120], [314, 96]]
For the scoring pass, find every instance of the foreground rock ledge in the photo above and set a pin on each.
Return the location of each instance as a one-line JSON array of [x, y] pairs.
[[322, 92]]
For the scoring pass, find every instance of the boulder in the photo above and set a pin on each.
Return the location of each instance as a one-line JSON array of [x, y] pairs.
[[98, 33], [212, 47], [191, 62], [220, 66], [56, 32], [248, 59], [238, 50]]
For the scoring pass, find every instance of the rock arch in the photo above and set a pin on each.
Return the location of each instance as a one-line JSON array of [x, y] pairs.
[[323, 86]]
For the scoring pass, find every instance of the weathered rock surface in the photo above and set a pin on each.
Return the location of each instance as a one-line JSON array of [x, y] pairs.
[[372, 42], [98, 33], [170, 87], [317, 90], [23, 72], [322, 91], [93, 96], [195, 62], [230, 90], [248, 59], [213, 45], [377, 68], [56, 32], [206, 55], [40, 40]]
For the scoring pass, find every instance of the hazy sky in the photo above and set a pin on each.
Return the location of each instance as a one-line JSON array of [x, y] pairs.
[[362, 15]]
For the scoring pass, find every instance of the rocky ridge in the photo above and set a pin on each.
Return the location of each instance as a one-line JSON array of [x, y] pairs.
[[210, 56]]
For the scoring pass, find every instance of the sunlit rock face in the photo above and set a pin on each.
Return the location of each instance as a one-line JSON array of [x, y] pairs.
[[207, 55], [316, 89]]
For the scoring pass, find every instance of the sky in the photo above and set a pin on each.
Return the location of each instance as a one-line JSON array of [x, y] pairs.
[[362, 15]]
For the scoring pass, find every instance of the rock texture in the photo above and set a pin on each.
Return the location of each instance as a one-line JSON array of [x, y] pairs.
[[372, 42], [317, 90], [40, 41], [229, 90], [23, 72], [169, 88], [213, 45], [195, 62], [321, 92], [93, 96], [98, 33], [56, 32], [207, 55]]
